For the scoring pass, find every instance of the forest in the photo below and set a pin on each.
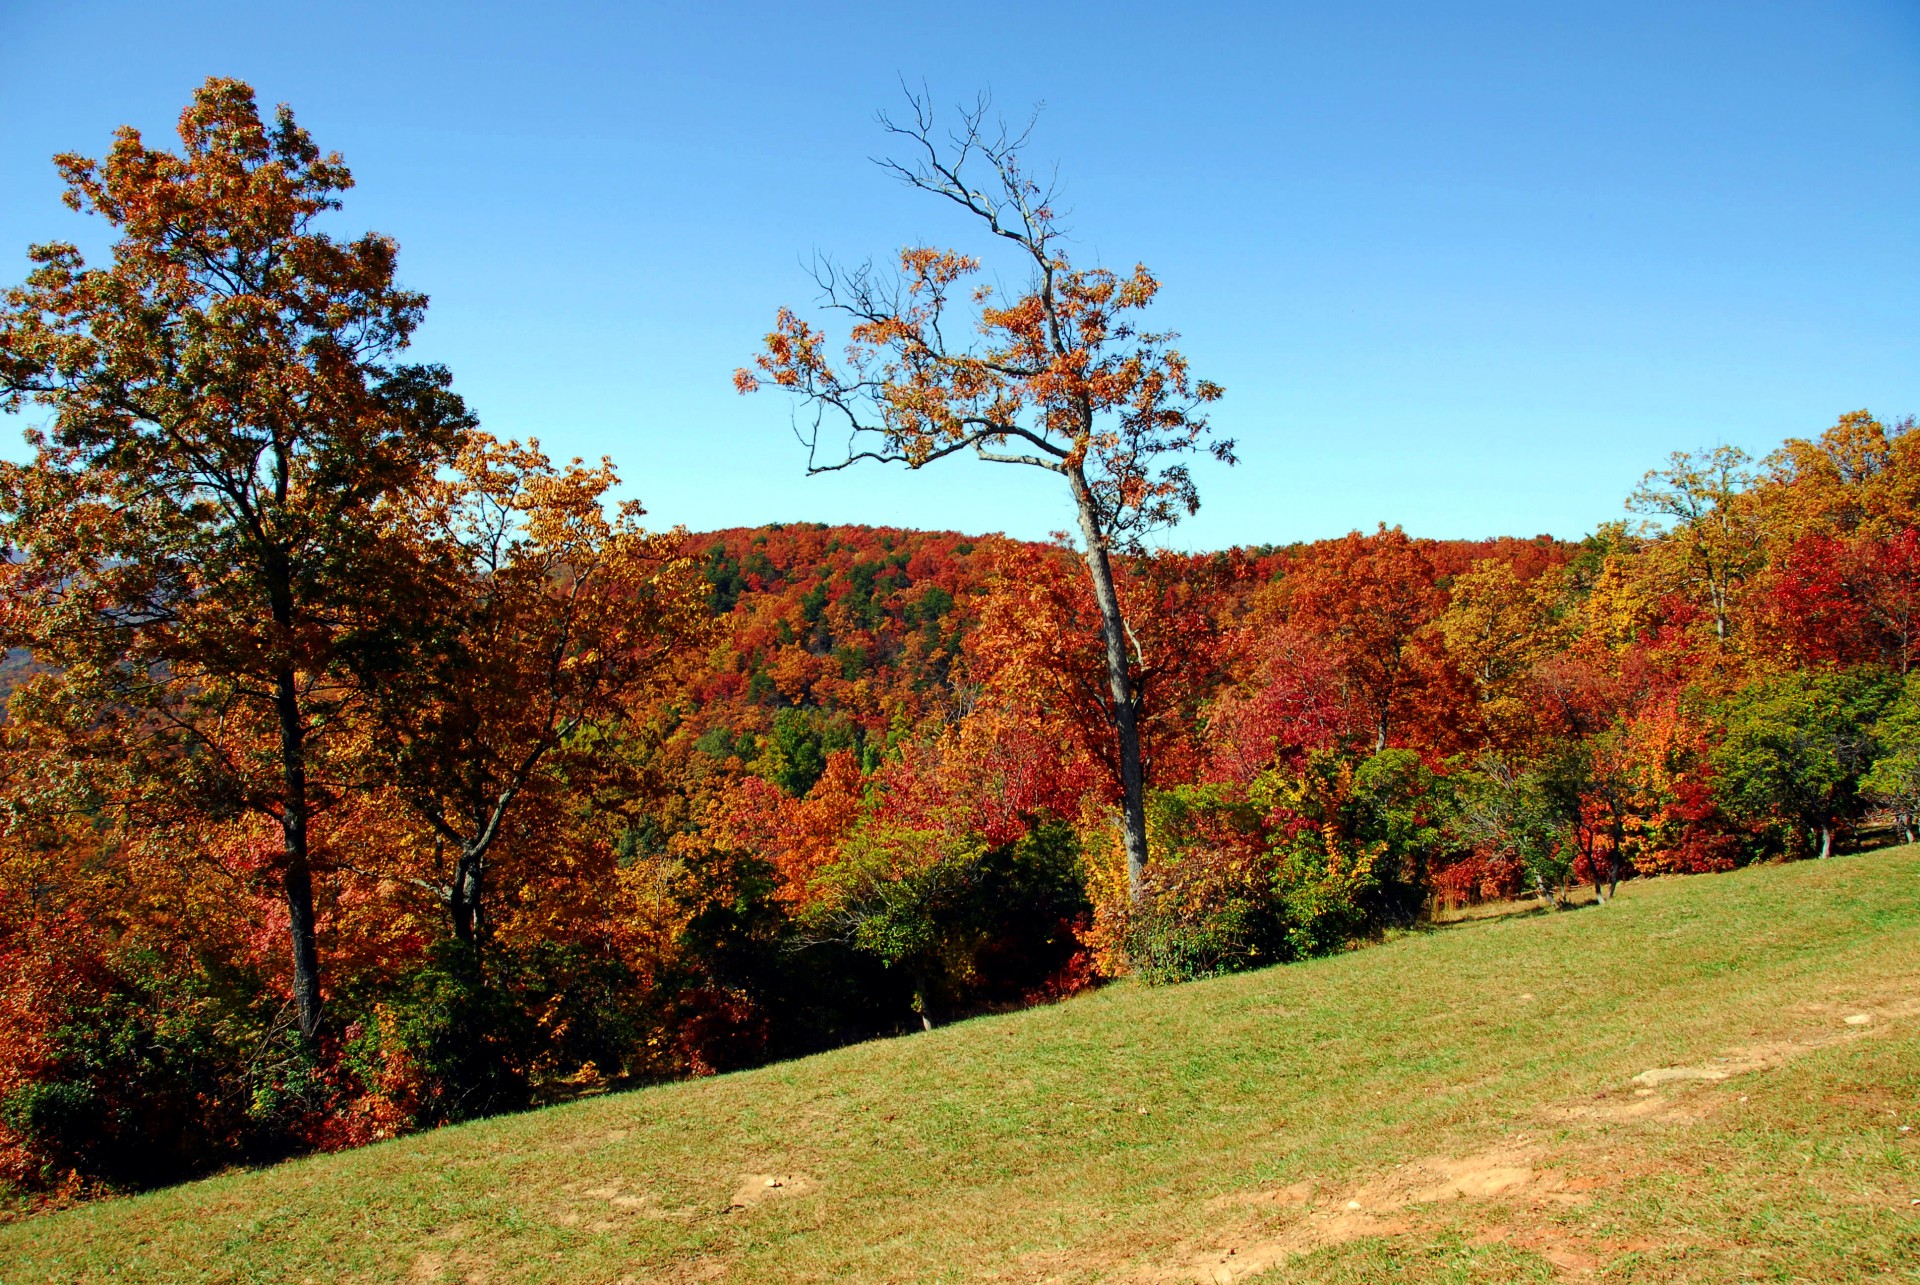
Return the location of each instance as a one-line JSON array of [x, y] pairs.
[[363, 772]]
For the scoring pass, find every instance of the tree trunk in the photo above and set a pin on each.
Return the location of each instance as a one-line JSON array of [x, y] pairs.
[[1619, 843], [297, 873], [921, 1008], [463, 901], [1125, 714]]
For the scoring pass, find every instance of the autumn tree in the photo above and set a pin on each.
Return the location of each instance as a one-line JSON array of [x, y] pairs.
[[1058, 377], [1037, 645], [1373, 601], [1696, 504], [207, 529], [1859, 478], [550, 619], [1846, 600], [1496, 627], [1288, 700]]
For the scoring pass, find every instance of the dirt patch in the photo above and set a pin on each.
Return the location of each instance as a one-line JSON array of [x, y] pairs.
[[464, 1266], [1481, 1177], [1667, 1074], [1379, 1208], [601, 1207], [705, 1269], [1518, 1175], [758, 1188], [1571, 1254], [1764, 1057], [1299, 1194], [1237, 1258]]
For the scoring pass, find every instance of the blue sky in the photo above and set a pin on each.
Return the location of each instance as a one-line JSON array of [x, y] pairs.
[[1469, 268]]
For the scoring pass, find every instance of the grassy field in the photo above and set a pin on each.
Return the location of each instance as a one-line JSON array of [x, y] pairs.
[[1458, 1105]]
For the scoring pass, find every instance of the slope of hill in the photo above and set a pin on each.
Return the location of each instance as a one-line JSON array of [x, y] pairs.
[[1711, 1079]]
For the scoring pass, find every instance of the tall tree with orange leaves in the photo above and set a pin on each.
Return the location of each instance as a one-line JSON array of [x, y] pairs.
[[1373, 600], [207, 529], [1060, 377], [550, 622]]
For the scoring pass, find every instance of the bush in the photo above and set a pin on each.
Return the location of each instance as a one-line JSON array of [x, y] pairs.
[[1211, 905], [130, 1071], [1301, 863], [957, 924], [465, 1039]]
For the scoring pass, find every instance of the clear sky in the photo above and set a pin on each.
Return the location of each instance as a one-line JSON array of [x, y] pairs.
[[1469, 268]]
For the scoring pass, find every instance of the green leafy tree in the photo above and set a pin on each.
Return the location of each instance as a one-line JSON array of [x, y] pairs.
[[1509, 814], [1797, 748], [1696, 504], [1894, 779], [1586, 793], [941, 910], [795, 756]]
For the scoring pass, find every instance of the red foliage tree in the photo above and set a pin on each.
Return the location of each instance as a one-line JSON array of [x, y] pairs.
[[1371, 602]]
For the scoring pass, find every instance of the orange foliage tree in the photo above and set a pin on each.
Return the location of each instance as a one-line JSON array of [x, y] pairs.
[[1036, 646], [1373, 601], [550, 620], [208, 527]]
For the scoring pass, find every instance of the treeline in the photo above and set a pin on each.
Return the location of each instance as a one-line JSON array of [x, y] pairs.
[[363, 773]]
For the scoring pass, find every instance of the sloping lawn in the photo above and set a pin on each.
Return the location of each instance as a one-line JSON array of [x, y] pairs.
[[1449, 1106]]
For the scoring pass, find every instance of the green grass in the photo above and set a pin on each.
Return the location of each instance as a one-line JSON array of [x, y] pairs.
[[1129, 1134]]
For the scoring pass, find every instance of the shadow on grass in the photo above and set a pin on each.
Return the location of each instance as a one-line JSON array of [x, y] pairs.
[[1451, 916]]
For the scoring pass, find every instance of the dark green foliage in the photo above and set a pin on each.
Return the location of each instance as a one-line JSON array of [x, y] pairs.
[[1894, 779], [465, 1037], [813, 605], [958, 925], [722, 742], [722, 572], [759, 566], [161, 1073], [1400, 809], [1516, 825], [853, 660], [1235, 934], [798, 747], [643, 837], [928, 609], [475, 1034], [1303, 864]]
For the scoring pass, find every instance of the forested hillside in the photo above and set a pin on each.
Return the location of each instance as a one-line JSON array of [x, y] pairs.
[[363, 772]]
